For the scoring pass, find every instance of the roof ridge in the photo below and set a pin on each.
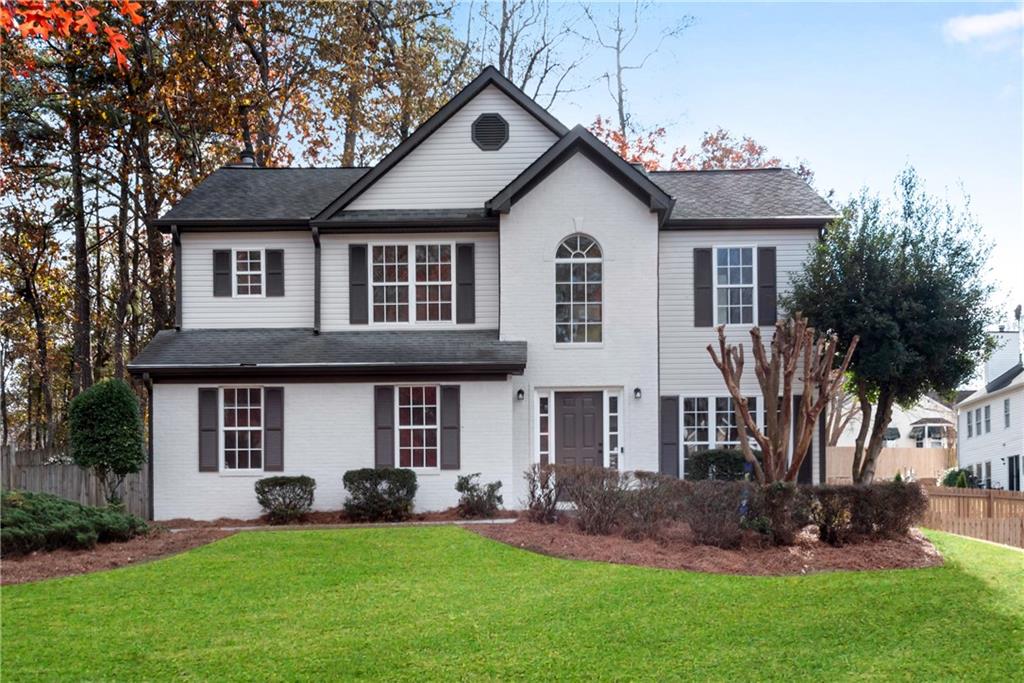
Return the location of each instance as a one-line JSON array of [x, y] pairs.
[[722, 170]]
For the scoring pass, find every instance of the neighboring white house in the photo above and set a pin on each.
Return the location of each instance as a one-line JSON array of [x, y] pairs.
[[991, 420], [498, 291], [927, 424]]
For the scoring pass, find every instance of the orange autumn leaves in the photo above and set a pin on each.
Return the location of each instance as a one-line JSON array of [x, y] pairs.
[[45, 18]]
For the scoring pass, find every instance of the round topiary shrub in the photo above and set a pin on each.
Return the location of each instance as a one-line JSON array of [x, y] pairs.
[[285, 499], [380, 495], [719, 464], [106, 434]]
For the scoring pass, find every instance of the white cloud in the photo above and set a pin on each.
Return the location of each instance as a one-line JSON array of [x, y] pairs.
[[970, 27]]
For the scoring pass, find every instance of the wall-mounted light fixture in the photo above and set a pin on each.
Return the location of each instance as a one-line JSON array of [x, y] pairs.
[[637, 393], [520, 395]]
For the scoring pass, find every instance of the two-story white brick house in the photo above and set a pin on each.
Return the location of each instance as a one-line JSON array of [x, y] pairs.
[[499, 290]]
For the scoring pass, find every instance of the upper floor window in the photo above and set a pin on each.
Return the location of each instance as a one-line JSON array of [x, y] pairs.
[[1006, 413], [970, 425], [988, 419], [578, 293], [248, 272], [420, 274], [734, 285]]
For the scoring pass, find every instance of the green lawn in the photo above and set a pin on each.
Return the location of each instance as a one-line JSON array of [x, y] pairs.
[[432, 603]]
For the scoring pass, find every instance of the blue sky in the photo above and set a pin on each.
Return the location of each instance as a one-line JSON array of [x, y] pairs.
[[857, 90]]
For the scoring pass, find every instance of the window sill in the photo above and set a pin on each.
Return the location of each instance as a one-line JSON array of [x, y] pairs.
[[579, 346], [242, 474]]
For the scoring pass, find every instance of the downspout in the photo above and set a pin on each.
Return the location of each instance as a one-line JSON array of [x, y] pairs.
[[148, 381], [176, 241], [316, 279]]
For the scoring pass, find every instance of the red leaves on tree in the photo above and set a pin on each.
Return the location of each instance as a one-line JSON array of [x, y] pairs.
[[43, 18]]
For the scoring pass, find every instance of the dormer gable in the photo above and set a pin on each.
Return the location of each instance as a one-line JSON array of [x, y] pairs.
[[459, 158]]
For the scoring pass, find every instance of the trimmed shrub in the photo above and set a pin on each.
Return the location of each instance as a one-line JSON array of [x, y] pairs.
[[888, 508], [956, 477], [542, 494], [721, 464], [712, 509], [779, 511], [597, 493], [830, 509], [40, 521], [106, 434], [477, 500], [380, 495], [647, 505], [285, 499]]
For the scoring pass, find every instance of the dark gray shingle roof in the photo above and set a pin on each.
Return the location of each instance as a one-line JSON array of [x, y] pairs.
[[261, 194], [362, 350], [740, 194]]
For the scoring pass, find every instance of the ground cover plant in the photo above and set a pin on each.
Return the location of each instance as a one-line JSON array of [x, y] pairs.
[[444, 603], [40, 521]]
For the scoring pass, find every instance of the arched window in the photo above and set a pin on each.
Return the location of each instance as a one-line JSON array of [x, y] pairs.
[[578, 293]]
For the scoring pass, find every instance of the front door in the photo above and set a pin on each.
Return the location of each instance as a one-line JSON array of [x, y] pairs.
[[579, 428]]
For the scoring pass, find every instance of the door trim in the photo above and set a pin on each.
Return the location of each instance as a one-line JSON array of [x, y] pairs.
[[549, 393]]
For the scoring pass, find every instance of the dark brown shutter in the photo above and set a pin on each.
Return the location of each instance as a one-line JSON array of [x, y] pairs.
[[703, 305], [465, 281], [273, 429], [222, 272], [806, 473], [358, 296], [451, 422], [668, 461], [384, 426], [767, 292], [275, 272], [208, 426]]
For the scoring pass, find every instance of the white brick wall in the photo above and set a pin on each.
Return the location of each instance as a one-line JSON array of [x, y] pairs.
[[580, 196], [328, 429]]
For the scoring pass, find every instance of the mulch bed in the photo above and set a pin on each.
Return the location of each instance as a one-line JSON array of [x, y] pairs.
[[159, 542], [676, 550]]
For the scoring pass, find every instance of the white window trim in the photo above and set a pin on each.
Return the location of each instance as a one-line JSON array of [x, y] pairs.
[[437, 427], [554, 299], [410, 284], [234, 275], [715, 285], [237, 472], [1006, 413]]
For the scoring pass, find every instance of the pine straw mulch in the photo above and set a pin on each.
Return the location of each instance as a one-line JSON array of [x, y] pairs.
[[676, 550], [157, 543], [319, 518]]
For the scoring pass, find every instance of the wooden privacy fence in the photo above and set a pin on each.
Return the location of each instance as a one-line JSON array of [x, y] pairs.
[[996, 516], [48, 470], [925, 463]]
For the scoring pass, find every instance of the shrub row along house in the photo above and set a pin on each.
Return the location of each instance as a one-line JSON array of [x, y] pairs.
[[498, 291]]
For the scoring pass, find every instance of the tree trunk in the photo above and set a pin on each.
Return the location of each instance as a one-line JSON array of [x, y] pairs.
[[81, 324], [123, 286], [155, 250], [883, 415], [4, 355]]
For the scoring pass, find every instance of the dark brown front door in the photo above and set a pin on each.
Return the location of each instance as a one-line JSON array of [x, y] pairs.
[[579, 428]]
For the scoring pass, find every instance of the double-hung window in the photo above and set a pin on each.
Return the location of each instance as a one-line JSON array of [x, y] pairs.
[[977, 421], [711, 422], [242, 417], [734, 285], [248, 272], [988, 419], [412, 283], [1006, 413], [418, 427], [970, 425]]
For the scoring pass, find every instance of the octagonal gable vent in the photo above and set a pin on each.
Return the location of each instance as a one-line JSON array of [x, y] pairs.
[[490, 132]]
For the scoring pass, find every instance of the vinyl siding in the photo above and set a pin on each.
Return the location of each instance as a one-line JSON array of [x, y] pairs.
[[448, 170], [334, 277], [579, 196], [998, 444], [328, 429], [201, 309], [686, 368]]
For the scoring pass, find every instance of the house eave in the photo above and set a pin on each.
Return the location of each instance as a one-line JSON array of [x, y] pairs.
[[326, 371], [761, 222]]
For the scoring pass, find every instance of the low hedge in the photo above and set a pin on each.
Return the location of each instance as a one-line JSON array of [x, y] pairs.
[[40, 521], [720, 464], [285, 499], [380, 495]]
